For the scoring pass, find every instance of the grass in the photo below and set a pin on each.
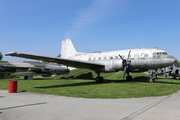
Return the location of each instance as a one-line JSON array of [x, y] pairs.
[[81, 83]]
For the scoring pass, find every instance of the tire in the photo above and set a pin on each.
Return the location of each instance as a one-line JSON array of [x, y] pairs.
[[101, 79], [129, 78], [97, 79], [25, 77]]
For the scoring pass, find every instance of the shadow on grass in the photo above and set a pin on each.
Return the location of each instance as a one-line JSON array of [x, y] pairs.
[[139, 79], [88, 76], [39, 79], [68, 85], [136, 79]]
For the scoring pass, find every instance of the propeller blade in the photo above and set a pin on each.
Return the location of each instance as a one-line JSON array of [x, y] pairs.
[[131, 69], [125, 68], [121, 57], [128, 56]]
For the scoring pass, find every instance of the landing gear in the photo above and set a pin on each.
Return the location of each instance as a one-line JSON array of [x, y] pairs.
[[128, 78], [151, 80], [99, 79], [25, 77]]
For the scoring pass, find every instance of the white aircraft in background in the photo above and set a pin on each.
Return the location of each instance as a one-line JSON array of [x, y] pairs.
[[132, 60]]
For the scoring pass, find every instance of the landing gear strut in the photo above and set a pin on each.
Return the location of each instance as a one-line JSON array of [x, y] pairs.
[[151, 79], [99, 79]]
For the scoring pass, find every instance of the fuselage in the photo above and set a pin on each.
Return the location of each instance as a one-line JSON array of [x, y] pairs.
[[141, 58]]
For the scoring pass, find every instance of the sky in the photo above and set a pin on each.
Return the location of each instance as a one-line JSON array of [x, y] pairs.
[[39, 26]]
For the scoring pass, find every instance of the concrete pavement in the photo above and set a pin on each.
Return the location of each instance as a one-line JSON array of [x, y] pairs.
[[28, 106]]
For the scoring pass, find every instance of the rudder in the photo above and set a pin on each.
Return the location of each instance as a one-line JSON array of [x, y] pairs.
[[67, 48]]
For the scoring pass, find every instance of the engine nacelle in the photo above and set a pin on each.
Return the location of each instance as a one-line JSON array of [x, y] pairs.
[[113, 65], [175, 73]]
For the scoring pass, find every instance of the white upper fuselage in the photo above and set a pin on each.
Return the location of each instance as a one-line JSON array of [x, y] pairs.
[[140, 53]]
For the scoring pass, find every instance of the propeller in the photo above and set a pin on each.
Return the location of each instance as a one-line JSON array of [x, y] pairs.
[[126, 64]]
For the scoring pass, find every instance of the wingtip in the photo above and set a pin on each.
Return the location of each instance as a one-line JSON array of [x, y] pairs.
[[10, 53]]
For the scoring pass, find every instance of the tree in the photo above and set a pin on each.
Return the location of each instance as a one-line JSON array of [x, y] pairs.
[[1, 56]]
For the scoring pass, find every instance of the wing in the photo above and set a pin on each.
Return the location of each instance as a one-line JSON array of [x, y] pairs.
[[64, 61]]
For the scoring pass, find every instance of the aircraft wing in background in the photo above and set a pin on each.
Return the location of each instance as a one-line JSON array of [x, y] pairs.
[[64, 61]]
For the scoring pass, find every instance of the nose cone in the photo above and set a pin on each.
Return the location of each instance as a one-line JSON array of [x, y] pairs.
[[172, 59], [175, 60]]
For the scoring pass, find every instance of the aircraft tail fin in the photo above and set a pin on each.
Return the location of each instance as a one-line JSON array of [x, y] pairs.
[[67, 48]]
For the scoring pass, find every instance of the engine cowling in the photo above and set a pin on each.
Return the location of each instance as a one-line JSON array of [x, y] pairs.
[[113, 65], [175, 73]]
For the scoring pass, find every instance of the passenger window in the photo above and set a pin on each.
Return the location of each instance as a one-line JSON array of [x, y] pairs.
[[146, 55], [99, 58], [116, 56], [89, 59], [110, 57], [94, 58], [104, 58]]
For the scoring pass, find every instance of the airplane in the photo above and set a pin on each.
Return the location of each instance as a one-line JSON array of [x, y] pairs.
[[175, 71], [132, 60], [172, 71], [30, 69]]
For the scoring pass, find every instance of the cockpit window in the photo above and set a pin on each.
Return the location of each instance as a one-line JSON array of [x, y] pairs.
[[161, 53], [164, 53]]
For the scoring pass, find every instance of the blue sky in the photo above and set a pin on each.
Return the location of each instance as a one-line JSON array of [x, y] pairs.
[[39, 26]]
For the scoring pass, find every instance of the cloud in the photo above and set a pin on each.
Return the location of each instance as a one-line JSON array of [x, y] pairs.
[[97, 10]]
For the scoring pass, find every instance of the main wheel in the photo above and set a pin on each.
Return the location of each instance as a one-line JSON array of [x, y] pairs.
[[99, 79], [129, 78], [25, 77]]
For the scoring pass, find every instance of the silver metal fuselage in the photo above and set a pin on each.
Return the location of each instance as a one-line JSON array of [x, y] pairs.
[[141, 59]]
